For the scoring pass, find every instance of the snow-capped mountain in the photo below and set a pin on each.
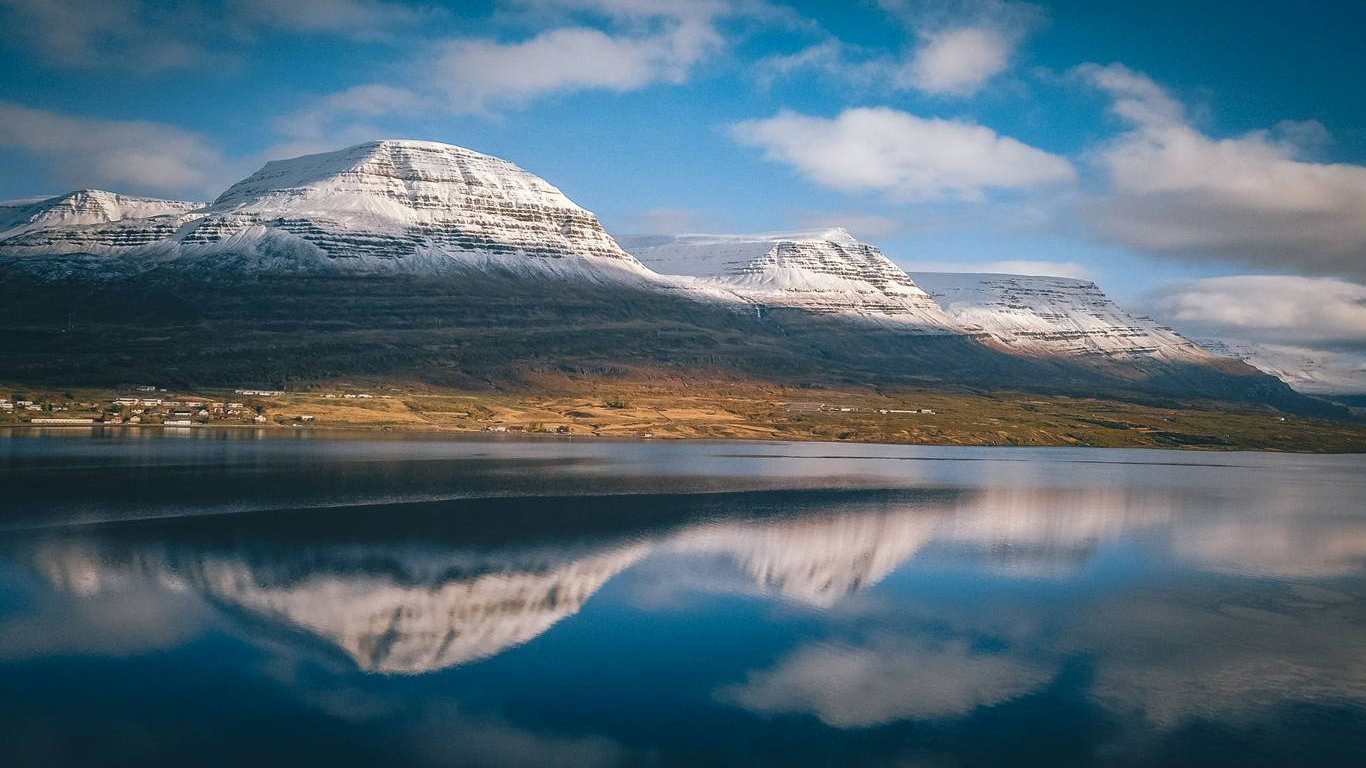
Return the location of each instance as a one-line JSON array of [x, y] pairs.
[[817, 561], [385, 205], [89, 218], [393, 610], [1312, 371], [1054, 316], [819, 270]]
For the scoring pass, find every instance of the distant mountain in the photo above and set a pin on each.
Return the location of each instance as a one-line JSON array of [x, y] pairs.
[[819, 271], [1312, 371], [1055, 316], [89, 219]]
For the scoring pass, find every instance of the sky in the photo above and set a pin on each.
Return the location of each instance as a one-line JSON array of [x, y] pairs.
[[1203, 162]]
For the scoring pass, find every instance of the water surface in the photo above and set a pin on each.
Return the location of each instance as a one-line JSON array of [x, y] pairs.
[[215, 598]]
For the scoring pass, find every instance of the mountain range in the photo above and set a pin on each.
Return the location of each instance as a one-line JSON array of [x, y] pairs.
[[396, 257]]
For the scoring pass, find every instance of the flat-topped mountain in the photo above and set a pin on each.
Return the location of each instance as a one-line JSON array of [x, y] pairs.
[[390, 199], [1055, 316], [415, 205], [819, 270]]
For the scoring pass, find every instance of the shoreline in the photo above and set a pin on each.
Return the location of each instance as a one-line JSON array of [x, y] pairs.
[[361, 431]]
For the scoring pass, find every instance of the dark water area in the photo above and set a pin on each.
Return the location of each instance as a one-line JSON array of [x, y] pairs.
[[217, 598]]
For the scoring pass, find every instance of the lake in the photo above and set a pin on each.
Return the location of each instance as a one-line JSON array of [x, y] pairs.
[[217, 598]]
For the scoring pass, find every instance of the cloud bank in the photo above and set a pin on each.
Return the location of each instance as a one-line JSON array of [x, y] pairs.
[[126, 155], [1317, 312], [905, 157], [1252, 199]]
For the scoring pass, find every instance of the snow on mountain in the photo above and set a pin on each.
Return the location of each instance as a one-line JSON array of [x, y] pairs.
[[390, 205], [818, 270], [1054, 316], [90, 218], [1311, 371], [816, 561], [392, 610]]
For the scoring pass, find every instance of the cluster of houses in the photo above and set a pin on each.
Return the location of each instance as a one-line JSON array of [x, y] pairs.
[[177, 413], [131, 409]]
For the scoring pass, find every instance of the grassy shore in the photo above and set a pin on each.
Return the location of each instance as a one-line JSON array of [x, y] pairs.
[[665, 409]]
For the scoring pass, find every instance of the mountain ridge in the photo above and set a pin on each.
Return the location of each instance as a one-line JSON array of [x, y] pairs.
[[325, 246]]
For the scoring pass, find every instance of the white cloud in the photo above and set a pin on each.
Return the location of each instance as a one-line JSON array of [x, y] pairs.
[[629, 45], [1250, 199], [958, 62], [126, 155], [960, 47], [475, 74], [909, 158], [896, 680], [1268, 308]]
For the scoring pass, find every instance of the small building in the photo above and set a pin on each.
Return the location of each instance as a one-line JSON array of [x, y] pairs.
[[61, 421], [178, 423]]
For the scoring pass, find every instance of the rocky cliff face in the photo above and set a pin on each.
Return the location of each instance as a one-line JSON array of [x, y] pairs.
[[1054, 316], [410, 205], [821, 271], [90, 219]]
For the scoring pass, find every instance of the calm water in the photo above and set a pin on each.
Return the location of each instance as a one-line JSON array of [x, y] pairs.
[[211, 600]]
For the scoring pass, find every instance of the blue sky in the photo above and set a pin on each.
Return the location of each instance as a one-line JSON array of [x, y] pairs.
[[1152, 146]]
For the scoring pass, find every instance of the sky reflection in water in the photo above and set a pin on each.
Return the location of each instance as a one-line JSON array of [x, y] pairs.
[[419, 600]]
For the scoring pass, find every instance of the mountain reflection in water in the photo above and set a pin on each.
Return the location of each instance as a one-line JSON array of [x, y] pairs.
[[1065, 609]]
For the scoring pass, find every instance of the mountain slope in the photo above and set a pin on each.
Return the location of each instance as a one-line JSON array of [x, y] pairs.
[[1055, 316], [387, 205], [89, 219], [819, 271], [1311, 371]]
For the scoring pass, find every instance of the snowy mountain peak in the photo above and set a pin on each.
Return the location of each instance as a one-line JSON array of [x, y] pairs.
[[395, 178], [412, 206], [1054, 316], [818, 270], [392, 199], [82, 207]]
